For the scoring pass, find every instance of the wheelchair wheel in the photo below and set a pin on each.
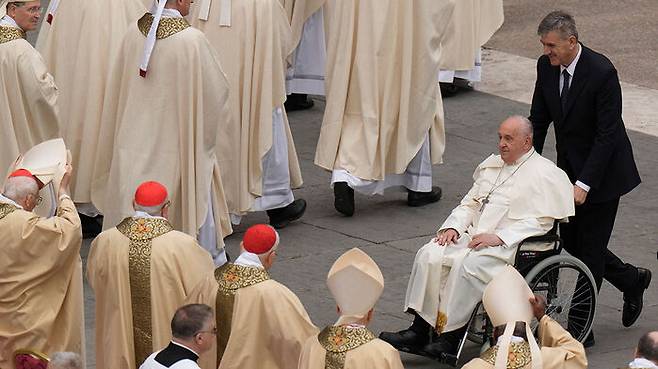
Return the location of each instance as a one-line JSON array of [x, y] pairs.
[[570, 292]]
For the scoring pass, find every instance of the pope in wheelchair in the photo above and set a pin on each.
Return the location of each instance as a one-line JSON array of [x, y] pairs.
[[516, 195]]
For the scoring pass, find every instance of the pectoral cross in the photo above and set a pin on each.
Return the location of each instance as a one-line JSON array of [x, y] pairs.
[[485, 201]]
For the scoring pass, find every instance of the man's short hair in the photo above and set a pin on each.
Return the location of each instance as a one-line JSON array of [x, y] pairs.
[[18, 188], [559, 21], [648, 346], [65, 360], [189, 320]]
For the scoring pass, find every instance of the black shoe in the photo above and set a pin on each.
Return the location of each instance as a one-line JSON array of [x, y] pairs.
[[91, 226], [423, 198], [589, 341], [406, 340], [344, 198], [298, 102], [447, 343], [633, 300], [281, 217]]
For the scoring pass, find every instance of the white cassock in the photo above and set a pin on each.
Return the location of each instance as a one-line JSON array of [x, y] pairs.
[[525, 199], [305, 74]]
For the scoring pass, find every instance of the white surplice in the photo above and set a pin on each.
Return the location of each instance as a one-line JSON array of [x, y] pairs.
[[447, 282], [306, 74]]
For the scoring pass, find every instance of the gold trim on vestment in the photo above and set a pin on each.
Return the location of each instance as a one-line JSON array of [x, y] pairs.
[[6, 209], [141, 232], [518, 356], [338, 340], [230, 278], [441, 321], [10, 34], [167, 27]]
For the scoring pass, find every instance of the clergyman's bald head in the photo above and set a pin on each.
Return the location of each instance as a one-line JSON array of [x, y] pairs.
[[648, 347]]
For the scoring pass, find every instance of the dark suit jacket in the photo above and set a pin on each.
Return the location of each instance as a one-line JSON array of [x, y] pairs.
[[592, 144]]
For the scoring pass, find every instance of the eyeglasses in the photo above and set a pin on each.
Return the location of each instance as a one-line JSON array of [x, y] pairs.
[[39, 200], [212, 331]]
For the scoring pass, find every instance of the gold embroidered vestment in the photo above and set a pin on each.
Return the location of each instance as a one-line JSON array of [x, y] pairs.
[[518, 356], [141, 232], [231, 278], [338, 340], [10, 34], [167, 27]]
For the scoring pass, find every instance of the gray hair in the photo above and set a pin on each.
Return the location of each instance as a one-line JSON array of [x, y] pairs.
[[155, 210], [526, 125], [65, 360], [648, 346], [19, 188], [559, 21], [189, 320]]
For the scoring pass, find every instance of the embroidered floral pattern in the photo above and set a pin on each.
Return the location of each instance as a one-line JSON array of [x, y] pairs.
[[338, 340], [10, 34], [141, 232], [517, 357], [167, 27], [6, 209], [441, 321]]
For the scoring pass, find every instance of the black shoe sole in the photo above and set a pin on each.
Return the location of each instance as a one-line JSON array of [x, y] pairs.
[[284, 222]]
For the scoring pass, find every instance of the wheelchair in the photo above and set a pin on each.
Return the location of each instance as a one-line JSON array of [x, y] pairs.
[[565, 282]]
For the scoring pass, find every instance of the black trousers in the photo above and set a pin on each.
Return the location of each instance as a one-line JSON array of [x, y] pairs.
[[586, 237]]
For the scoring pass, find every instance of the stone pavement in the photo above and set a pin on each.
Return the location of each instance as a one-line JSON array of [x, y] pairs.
[[391, 232]]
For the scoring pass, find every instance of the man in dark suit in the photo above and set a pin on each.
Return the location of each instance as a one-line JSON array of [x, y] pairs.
[[578, 90]]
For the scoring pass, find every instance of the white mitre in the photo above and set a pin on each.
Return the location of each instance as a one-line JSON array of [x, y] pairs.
[[46, 161], [356, 283], [507, 301]]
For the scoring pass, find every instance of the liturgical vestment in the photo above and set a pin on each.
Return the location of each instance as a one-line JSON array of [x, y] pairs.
[[558, 351], [383, 102], [78, 40], [514, 202], [141, 272], [28, 96], [472, 24], [261, 323], [256, 150], [346, 347], [41, 301], [163, 127]]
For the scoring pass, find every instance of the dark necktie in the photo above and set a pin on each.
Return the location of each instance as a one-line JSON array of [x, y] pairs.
[[565, 90]]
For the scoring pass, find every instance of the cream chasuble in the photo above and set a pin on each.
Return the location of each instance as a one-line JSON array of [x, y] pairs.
[[41, 301], [472, 24], [344, 347], [558, 351], [28, 97], [164, 127], [252, 51], [261, 323], [514, 202], [78, 45], [382, 95], [141, 272]]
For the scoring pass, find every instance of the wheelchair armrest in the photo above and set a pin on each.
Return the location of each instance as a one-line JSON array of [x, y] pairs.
[[549, 237]]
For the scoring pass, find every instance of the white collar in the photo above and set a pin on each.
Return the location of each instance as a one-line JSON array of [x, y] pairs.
[[8, 21], [185, 347], [513, 339], [641, 362], [141, 214], [6, 200], [166, 12], [249, 259], [572, 67]]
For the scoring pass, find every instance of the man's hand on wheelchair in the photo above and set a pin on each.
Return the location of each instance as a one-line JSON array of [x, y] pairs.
[[485, 240], [538, 304], [446, 237]]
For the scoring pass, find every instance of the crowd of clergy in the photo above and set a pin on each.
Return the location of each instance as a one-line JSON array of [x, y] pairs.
[[165, 123]]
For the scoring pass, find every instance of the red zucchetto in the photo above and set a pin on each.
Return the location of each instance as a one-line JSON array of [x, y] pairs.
[[260, 239], [150, 193], [26, 173]]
